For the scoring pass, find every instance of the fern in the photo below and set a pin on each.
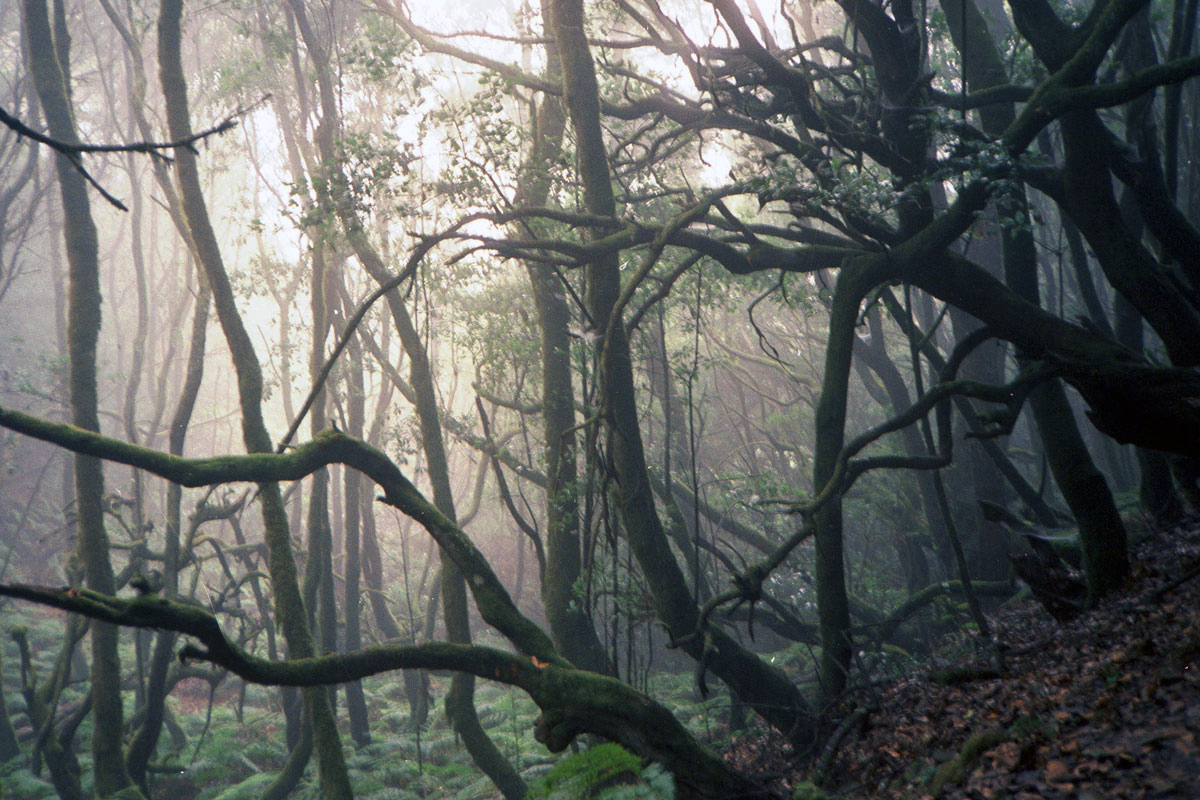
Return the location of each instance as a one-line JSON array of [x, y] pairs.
[[604, 772], [22, 783], [395, 721], [441, 744], [390, 794], [479, 788], [366, 784]]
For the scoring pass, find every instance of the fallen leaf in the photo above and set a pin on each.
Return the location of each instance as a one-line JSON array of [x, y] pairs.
[[1057, 771]]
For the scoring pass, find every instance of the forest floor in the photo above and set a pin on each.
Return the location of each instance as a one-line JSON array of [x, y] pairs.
[[1104, 706]]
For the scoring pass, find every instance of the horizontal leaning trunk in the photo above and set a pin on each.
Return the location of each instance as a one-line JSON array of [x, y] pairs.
[[573, 701]]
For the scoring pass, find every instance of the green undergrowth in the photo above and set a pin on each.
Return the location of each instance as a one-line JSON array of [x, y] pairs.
[[17, 780], [604, 772], [225, 754]]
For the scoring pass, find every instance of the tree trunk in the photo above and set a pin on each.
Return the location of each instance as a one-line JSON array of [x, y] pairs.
[[318, 566], [1155, 487], [54, 746], [460, 705], [1101, 531], [49, 57], [874, 355], [9, 748], [833, 606], [281, 564], [416, 682], [766, 689], [570, 625], [356, 704], [141, 749]]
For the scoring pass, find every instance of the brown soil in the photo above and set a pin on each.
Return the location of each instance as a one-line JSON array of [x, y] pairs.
[[1105, 706]]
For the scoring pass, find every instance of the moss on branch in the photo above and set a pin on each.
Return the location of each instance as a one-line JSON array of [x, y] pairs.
[[328, 447], [572, 701]]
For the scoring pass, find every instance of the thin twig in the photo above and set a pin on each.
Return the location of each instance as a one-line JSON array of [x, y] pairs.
[[152, 148], [73, 151]]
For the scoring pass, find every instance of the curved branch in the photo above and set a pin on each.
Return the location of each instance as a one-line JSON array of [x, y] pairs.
[[757, 257], [360, 313], [572, 701], [150, 611], [72, 151], [151, 148], [329, 447], [1107, 95]]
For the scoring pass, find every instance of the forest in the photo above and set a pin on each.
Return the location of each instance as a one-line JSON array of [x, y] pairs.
[[405, 400]]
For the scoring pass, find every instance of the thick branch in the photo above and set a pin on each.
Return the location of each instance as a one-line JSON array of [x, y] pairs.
[[572, 701], [330, 447]]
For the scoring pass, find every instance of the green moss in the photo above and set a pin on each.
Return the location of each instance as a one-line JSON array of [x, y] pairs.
[[954, 770], [606, 771], [248, 789], [808, 790]]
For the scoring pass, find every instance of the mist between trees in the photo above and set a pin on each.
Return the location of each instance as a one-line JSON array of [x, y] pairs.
[[679, 369]]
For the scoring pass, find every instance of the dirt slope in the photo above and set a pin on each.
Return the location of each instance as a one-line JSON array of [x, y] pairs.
[[1105, 706]]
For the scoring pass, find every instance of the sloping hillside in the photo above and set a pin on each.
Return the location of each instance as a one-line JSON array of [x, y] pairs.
[[1104, 706]]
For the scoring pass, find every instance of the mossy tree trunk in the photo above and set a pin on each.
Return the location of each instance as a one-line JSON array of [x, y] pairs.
[[1102, 533], [833, 605], [356, 704], [49, 65], [570, 625], [764, 688], [281, 564], [9, 747], [318, 565]]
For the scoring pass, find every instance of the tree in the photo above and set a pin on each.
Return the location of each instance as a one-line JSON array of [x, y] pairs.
[[802, 210], [50, 60], [289, 604], [754, 96]]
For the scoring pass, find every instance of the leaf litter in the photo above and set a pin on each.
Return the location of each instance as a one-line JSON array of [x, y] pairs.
[[1104, 706]]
